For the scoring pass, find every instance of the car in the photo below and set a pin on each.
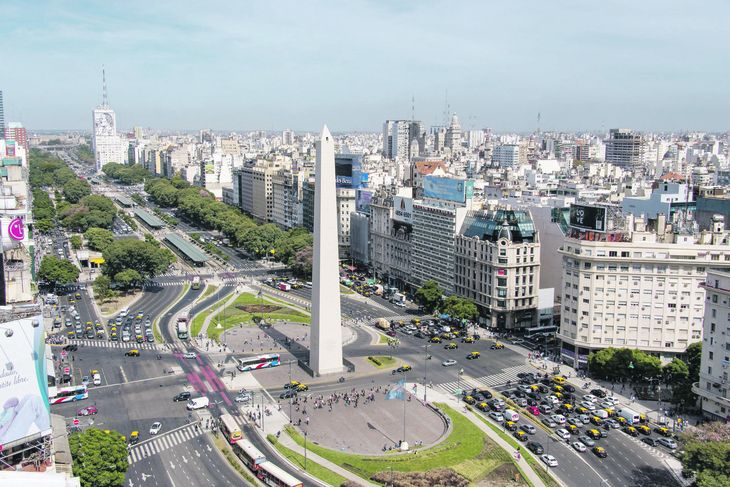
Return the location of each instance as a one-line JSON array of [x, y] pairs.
[[558, 418], [243, 398], [435, 340], [302, 388], [150, 338], [586, 441], [468, 340], [569, 388], [451, 346], [134, 438], [644, 429], [85, 380], [563, 433], [594, 434], [190, 355], [496, 416], [585, 418], [588, 405], [650, 441], [578, 446], [473, 356], [132, 353], [289, 393], [182, 396], [545, 408], [549, 460], [155, 428], [448, 363], [520, 435], [549, 423], [631, 431], [599, 393], [535, 447], [497, 346], [667, 443], [390, 333], [599, 451], [529, 429], [575, 421], [663, 431], [534, 410], [590, 398], [483, 393], [87, 411], [404, 368], [510, 426], [292, 384]]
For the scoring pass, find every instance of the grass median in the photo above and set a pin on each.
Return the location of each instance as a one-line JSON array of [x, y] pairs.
[[209, 289], [381, 361], [467, 451], [313, 468]]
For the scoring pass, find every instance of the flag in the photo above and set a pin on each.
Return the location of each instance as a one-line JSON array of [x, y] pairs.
[[398, 392]]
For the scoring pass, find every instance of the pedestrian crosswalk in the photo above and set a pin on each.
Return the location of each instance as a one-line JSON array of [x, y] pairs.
[[163, 442], [121, 345], [234, 281], [468, 382]]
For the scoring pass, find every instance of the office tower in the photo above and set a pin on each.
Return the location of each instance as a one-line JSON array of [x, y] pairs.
[[287, 137], [453, 134], [401, 137], [107, 145], [712, 387], [2, 116], [625, 149], [505, 156], [325, 356], [497, 265]]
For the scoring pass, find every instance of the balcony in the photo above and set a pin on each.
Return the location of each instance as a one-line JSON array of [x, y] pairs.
[[711, 394]]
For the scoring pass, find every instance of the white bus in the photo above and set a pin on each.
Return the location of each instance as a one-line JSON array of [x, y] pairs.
[[258, 362]]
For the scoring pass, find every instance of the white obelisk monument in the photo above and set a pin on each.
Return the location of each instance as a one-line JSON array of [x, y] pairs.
[[325, 354]]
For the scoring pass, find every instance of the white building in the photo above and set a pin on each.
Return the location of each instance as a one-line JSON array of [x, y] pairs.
[[507, 155], [713, 385], [107, 145], [636, 287]]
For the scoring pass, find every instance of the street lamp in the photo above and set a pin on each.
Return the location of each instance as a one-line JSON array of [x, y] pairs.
[[305, 450], [425, 371], [460, 373]]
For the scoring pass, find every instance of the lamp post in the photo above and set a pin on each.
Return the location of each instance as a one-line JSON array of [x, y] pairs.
[[425, 371], [291, 421], [404, 406], [459, 374], [305, 450]]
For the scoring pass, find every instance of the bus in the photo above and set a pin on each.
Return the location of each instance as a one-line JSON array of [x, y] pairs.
[[274, 476], [182, 326], [258, 362], [69, 394], [249, 454], [230, 429], [196, 282]]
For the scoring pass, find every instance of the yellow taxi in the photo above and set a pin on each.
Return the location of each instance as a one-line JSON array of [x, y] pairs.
[[510, 425], [435, 340], [534, 387], [573, 429], [468, 340], [520, 435], [642, 418], [621, 420], [631, 431], [644, 429], [559, 395], [558, 388], [581, 410], [497, 346], [292, 385], [558, 380], [134, 438], [451, 346], [567, 407], [473, 355], [663, 431], [132, 353], [483, 406], [446, 336], [596, 420], [302, 387], [611, 412], [599, 451], [469, 400], [594, 433]]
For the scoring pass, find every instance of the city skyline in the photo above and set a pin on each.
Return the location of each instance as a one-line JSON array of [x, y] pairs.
[[651, 67]]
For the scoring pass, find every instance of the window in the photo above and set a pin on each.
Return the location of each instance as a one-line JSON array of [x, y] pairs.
[[612, 253]]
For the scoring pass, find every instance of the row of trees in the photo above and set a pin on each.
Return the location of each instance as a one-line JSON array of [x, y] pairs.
[[626, 364], [431, 297], [293, 247], [134, 174], [707, 454]]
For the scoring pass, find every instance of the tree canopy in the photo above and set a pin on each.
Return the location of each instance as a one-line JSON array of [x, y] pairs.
[[92, 211], [128, 279], [707, 455], [145, 258], [429, 295], [103, 288], [98, 238], [624, 363], [57, 272], [125, 174], [99, 457], [75, 190], [460, 308]]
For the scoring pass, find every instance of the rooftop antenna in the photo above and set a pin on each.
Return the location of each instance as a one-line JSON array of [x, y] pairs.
[[104, 98], [539, 117], [413, 108]]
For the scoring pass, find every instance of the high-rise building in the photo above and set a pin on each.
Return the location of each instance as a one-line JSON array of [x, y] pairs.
[[15, 131], [506, 155], [107, 145], [252, 187], [497, 265], [453, 134], [391, 228], [401, 137], [625, 149], [713, 388], [287, 137], [632, 283], [2, 116]]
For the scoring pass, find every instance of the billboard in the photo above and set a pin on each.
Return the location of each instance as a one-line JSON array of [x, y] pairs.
[[450, 189], [24, 412], [587, 217], [363, 199], [403, 209], [348, 171]]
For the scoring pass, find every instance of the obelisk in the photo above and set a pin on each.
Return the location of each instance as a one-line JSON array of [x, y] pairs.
[[325, 354]]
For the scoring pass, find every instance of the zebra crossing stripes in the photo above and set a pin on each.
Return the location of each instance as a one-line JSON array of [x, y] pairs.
[[122, 345], [161, 443], [226, 283], [468, 382]]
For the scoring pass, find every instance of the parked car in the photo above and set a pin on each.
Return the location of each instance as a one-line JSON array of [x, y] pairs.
[[549, 460], [535, 447]]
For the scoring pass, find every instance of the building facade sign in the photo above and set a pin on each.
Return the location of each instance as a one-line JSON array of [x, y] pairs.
[[403, 209], [587, 217]]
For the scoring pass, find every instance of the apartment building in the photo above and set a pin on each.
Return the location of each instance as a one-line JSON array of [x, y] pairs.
[[253, 187], [286, 198], [497, 265], [714, 382], [391, 231], [634, 284]]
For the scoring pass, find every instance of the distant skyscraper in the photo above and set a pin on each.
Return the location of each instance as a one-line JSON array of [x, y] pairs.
[[453, 134], [107, 145], [625, 149], [2, 116], [401, 137], [287, 137]]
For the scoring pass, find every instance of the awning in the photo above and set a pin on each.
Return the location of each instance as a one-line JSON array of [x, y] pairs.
[[97, 260]]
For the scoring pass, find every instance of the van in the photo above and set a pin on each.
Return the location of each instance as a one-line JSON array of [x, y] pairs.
[[631, 416], [601, 413], [97, 380], [198, 403], [124, 312], [511, 415]]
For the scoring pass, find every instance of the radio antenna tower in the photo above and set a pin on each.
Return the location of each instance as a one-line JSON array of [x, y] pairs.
[[413, 108], [539, 117], [104, 98]]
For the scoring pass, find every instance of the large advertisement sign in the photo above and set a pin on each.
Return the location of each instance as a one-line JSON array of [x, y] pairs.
[[363, 200], [403, 209], [24, 410], [450, 189], [586, 217]]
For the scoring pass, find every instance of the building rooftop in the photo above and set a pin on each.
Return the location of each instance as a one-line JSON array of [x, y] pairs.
[[514, 225], [148, 218], [191, 251], [124, 201]]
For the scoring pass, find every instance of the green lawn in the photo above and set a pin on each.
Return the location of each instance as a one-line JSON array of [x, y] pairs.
[[209, 289], [346, 290], [536, 466], [313, 468], [233, 316], [384, 360], [467, 450]]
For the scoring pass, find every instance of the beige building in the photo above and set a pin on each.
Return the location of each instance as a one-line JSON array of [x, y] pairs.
[[638, 286], [714, 382], [390, 241], [253, 187], [286, 197]]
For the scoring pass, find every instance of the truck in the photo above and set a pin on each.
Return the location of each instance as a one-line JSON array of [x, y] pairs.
[[378, 290], [631, 416], [398, 299], [284, 286], [182, 326], [383, 324]]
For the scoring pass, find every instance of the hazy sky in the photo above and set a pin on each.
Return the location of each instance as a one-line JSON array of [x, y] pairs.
[[648, 65]]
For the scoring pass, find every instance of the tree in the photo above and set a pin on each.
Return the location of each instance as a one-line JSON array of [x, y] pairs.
[[149, 238], [57, 272], [76, 242], [675, 372], [624, 363], [301, 262], [146, 258], [682, 395], [98, 238], [429, 295], [708, 460], [103, 288], [75, 190], [128, 278], [260, 240], [460, 308], [99, 457]]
